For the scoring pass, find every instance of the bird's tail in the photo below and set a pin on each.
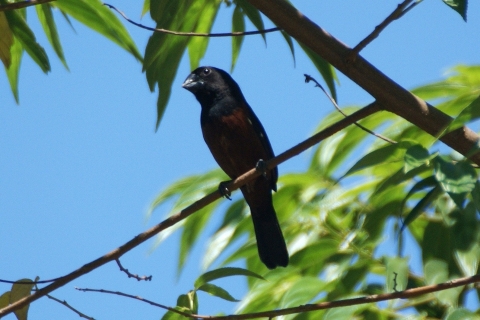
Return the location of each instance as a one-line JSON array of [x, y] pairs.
[[271, 245]]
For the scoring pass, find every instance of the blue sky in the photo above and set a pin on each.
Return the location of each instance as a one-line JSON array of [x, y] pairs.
[[81, 161]]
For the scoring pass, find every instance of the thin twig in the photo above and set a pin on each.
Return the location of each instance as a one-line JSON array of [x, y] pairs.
[[309, 78], [401, 9], [406, 294], [118, 293], [29, 282], [131, 275], [193, 34], [65, 303], [22, 4], [194, 207]]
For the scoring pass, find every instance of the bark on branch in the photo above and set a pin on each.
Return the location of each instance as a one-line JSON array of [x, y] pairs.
[[388, 93]]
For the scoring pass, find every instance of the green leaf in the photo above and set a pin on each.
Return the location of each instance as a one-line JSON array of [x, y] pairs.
[[325, 69], [465, 228], [458, 5], [223, 273], [398, 178], [462, 314], [98, 17], [289, 41], [468, 114], [416, 156], [302, 292], [4, 299], [25, 36], [253, 15], [12, 72], [45, 16], [397, 274], [388, 153], [421, 205], [19, 291], [457, 179], [192, 229], [197, 46], [146, 7], [437, 243], [217, 292], [6, 41], [188, 301], [476, 195], [238, 25]]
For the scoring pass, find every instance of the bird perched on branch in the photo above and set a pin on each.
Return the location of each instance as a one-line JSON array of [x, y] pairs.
[[238, 142]]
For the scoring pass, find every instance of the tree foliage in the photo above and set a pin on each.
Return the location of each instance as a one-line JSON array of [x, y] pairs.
[[345, 223]]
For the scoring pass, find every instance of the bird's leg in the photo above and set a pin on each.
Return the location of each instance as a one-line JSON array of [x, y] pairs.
[[261, 167], [222, 188]]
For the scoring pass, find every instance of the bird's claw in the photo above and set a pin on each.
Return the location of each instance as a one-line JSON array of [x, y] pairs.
[[222, 188], [261, 167]]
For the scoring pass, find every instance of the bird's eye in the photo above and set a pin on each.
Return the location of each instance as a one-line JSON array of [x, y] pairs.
[[206, 71]]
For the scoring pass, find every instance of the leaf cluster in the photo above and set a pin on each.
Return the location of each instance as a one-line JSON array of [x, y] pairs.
[[346, 218], [17, 37]]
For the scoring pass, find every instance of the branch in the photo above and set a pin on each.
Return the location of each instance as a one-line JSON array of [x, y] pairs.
[[131, 275], [406, 294], [22, 4], [396, 14], [197, 205], [65, 303], [193, 34], [118, 293], [386, 92], [309, 78]]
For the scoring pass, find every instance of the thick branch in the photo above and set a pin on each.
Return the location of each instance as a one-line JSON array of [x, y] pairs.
[[197, 205], [22, 4], [389, 94]]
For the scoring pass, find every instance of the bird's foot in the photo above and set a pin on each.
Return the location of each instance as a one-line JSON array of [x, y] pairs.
[[261, 167], [222, 188]]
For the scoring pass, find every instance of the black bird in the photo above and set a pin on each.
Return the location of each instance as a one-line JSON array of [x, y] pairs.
[[237, 141]]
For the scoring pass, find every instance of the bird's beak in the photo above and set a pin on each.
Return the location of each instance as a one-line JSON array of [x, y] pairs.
[[192, 83]]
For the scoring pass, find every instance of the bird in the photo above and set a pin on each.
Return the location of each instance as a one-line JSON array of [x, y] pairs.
[[238, 143]]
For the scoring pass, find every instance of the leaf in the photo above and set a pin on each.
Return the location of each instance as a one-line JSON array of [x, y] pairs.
[[217, 292], [253, 15], [462, 314], [456, 179], [302, 292], [397, 274], [465, 228], [437, 243], [188, 301], [25, 36], [421, 205], [19, 291], [4, 299], [468, 114], [146, 7], [6, 41], [325, 69], [390, 153], [398, 178], [238, 25], [98, 17], [415, 156], [45, 16], [289, 41], [458, 5], [197, 46], [164, 52], [16, 52], [223, 273]]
